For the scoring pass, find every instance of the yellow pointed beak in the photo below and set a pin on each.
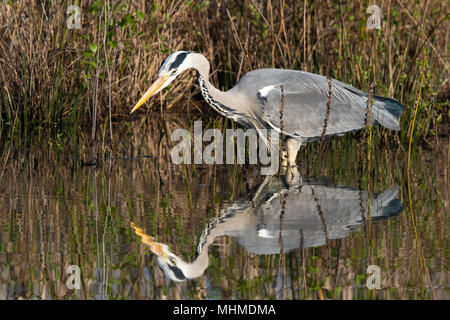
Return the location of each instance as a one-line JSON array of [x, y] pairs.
[[155, 247], [151, 91]]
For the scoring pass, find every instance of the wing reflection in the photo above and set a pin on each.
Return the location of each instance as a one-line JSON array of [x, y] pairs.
[[281, 217]]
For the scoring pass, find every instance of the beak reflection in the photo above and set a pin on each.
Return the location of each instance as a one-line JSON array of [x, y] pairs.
[[155, 247]]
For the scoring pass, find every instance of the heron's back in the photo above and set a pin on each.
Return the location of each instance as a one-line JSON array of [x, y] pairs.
[[305, 97]]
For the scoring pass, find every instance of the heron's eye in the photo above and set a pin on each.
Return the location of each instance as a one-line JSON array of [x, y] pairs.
[[173, 71]]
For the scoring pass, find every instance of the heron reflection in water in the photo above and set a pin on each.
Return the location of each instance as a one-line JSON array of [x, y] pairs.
[[313, 213]]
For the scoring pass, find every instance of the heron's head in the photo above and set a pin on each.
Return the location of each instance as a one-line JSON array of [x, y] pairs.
[[170, 264], [172, 66]]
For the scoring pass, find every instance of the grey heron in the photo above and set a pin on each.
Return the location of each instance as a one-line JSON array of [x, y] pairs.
[[313, 214], [292, 102]]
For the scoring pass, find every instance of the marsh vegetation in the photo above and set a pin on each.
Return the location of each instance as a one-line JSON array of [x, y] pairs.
[[77, 168]]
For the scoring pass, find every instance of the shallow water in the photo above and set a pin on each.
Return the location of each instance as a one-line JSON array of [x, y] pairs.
[[311, 237]]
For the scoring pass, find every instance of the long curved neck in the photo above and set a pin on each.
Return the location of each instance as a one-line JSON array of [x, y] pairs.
[[219, 226], [219, 100], [197, 267], [227, 222]]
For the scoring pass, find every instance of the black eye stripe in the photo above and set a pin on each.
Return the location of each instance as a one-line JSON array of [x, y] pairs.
[[179, 60]]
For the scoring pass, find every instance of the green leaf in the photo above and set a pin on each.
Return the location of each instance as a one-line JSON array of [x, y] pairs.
[[87, 54], [141, 16], [113, 43], [93, 47]]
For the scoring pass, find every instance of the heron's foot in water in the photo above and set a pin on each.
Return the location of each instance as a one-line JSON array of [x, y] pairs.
[[287, 164], [292, 177], [289, 155]]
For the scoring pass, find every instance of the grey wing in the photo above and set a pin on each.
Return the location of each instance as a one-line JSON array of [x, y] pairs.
[[304, 109], [305, 103]]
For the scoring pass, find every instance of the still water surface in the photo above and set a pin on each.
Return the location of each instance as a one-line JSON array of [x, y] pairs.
[[140, 228]]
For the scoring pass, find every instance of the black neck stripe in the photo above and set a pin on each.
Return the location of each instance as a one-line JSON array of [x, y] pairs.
[[177, 272]]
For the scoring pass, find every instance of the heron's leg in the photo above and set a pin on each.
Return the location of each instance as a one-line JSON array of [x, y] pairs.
[[284, 157], [292, 146], [261, 187], [284, 153]]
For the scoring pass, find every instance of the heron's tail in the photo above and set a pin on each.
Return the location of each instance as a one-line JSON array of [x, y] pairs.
[[387, 112]]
